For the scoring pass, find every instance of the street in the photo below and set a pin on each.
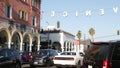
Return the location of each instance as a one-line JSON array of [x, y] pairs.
[[28, 66]]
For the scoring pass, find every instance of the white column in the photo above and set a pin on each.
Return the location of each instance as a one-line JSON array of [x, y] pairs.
[[21, 46], [78, 48], [38, 47], [61, 40], [69, 46], [66, 46], [62, 48], [9, 45], [75, 48], [30, 48]]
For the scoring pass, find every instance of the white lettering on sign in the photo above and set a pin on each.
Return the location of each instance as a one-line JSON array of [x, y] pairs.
[[52, 13], [101, 12], [76, 14], [115, 9], [65, 14], [87, 12]]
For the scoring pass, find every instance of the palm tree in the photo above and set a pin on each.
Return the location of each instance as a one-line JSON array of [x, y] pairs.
[[79, 36], [92, 32]]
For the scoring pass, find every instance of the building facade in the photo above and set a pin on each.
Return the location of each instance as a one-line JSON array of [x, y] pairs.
[[20, 24], [57, 39], [79, 46]]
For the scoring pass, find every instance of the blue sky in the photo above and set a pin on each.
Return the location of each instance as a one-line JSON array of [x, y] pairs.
[[105, 26]]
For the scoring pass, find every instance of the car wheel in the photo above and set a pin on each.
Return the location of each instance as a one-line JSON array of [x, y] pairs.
[[49, 62], [78, 65], [17, 65], [32, 66], [58, 67]]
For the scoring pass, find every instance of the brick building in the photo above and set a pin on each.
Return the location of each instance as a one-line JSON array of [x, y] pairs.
[[20, 24]]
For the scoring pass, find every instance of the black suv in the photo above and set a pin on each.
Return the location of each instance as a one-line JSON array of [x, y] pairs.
[[10, 58], [43, 58], [102, 55]]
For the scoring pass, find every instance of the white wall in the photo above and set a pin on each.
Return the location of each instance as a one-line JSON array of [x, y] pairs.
[[58, 37]]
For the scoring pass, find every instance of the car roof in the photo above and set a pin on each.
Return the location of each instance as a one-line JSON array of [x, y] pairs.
[[107, 42], [71, 51], [6, 49], [46, 49]]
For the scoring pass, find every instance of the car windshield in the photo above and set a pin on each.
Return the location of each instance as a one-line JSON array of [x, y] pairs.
[[116, 53], [68, 53], [98, 52], [48, 52], [44, 52]]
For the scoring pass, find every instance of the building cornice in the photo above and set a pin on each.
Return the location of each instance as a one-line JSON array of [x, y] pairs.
[[56, 31]]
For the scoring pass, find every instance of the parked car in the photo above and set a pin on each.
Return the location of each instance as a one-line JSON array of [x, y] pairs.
[[69, 59], [43, 58], [103, 55], [10, 58], [26, 57]]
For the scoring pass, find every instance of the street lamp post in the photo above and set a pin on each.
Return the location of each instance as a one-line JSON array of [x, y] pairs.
[[48, 35]]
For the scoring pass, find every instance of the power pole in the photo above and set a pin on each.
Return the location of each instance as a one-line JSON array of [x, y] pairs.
[[79, 36], [118, 32], [58, 24]]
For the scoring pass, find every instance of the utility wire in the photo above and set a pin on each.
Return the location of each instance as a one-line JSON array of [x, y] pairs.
[[105, 36]]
